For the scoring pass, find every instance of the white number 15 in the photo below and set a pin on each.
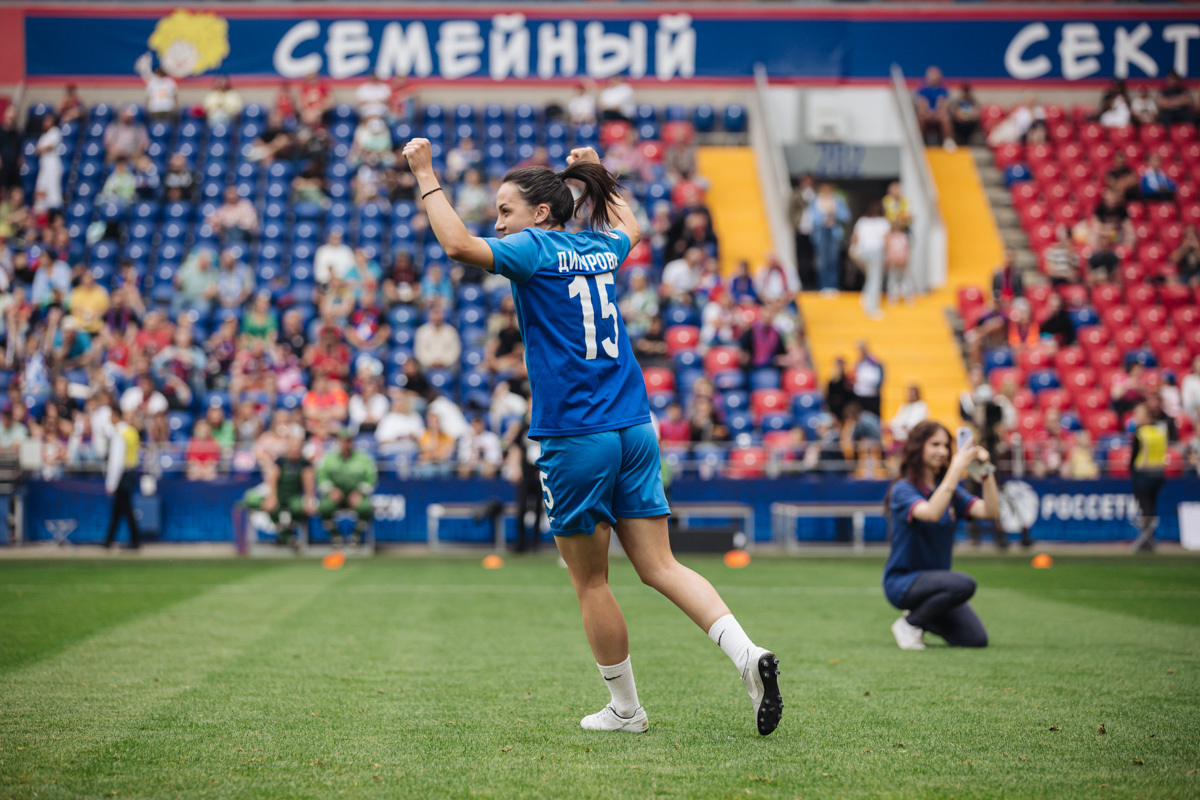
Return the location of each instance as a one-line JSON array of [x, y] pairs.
[[579, 288]]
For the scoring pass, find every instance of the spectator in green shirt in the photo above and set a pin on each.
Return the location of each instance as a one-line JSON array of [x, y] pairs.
[[347, 479]]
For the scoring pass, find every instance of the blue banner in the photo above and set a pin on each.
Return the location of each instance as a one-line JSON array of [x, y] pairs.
[[1055, 509], [462, 43]]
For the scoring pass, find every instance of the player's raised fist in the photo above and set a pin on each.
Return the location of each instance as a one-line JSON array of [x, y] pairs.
[[583, 154], [419, 155]]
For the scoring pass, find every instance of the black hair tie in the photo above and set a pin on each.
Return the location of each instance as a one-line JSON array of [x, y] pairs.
[[431, 191]]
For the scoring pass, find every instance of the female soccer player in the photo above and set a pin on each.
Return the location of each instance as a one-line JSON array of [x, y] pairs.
[[922, 520], [600, 463]]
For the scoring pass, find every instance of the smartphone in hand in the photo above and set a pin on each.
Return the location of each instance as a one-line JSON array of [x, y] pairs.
[[964, 438]]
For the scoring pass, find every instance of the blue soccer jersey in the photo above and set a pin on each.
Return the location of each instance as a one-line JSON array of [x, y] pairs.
[[581, 366]]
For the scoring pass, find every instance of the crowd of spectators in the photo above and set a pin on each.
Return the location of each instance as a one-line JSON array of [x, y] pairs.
[[871, 256], [220, 365], [1097, 246]]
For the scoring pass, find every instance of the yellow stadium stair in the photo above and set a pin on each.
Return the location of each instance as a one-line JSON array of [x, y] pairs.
[[735, 197], [915, 343]]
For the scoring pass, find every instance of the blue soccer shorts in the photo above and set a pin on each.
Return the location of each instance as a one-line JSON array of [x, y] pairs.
[[598, 477]]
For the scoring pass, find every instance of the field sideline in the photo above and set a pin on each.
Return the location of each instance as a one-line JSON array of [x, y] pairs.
[[435, 678]]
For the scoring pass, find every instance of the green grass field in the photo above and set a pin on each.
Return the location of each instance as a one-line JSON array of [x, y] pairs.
[[415, 678]]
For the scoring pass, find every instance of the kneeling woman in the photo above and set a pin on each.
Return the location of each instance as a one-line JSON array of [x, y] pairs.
[[923, 507]]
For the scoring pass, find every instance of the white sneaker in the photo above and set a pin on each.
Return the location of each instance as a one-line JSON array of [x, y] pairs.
[[607, 719], [762, 682], [909, 637], [949, 145]]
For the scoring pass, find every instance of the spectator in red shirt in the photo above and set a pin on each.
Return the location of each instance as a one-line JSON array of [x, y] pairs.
[[367, 330], [203, 454], [675, 429], [285, 102], [329, 356], [254, 370], [315, 100], [157, 334]]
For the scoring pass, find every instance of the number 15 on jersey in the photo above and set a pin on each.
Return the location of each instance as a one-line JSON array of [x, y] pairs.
[[580, 288]]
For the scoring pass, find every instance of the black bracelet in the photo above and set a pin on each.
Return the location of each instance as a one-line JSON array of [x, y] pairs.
[[431, 191]]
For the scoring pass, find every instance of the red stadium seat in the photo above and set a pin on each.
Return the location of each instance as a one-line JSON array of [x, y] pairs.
[[651, 152], [1117, 462], [1034, 359], [1152, 134], [1090, 401], [1127, 339], [969, 298], [1073, 295], [1175, 463], [1150, 318], [747, 462], [768, 401], [1054, 398], [1068, 357], [1001, 375], [678, 131], [1176, 360], [797, 380], [1136, 210], [1152, 378], [1023, 399], [1178, 300], [681, 337], [1101, 423], [1163, 212], [1028, 422], [1105, 296], [658, 379], [1117, 317], [1106, 377], [1181, 133], [1106, 357], [1077, 379], [614, 131], [1191, 340], [722, 359], [1163, 338]]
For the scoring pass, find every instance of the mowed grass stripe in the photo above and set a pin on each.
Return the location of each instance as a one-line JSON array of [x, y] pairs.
[[85, 597], [383, 684], [65, 712]]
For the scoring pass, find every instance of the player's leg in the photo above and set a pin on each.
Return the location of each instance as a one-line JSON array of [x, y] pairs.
[[325, 510], [578, 474], [641, 506], [930, 597], [960, 627], [364, 515]]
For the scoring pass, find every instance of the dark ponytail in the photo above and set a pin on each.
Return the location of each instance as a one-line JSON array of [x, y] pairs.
[[543, 185]]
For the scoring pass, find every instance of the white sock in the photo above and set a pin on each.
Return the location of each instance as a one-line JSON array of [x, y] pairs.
[[619, 679], [730, 637]]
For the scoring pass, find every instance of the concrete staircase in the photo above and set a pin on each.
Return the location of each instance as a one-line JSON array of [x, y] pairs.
[[1007, 221]]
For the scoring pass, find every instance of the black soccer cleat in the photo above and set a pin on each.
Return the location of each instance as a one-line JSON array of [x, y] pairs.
[[762, 682]]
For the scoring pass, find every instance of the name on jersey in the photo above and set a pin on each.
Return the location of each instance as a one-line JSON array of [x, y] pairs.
[[570, 261]]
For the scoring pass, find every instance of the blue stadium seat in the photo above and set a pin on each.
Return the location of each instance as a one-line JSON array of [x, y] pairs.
[[806, 404], [765, 378], [686, 359], [776, 422], [704, 119], [997, 358], [735, 118], [1083, 316], [739, 422], [1043, 379]]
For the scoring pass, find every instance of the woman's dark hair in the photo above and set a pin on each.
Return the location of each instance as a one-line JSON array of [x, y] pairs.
[[539, 185], [912, 458]]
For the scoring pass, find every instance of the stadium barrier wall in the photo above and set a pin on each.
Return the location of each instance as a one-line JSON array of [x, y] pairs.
[[1061, 510], [489, 43]]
